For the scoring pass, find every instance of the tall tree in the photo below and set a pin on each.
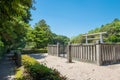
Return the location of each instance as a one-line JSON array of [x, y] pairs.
[[42, 34], [14, 18]]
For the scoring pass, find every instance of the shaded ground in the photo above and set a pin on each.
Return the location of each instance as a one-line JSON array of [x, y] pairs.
[[7, 68], [80, 70], [37, 56]]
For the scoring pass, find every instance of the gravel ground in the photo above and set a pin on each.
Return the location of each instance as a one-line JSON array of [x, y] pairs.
[[80, 70], [7, 68]]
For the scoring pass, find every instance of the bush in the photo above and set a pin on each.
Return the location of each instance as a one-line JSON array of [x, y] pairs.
[[29, 51], [19, 74], [22, 74], [39, 71]]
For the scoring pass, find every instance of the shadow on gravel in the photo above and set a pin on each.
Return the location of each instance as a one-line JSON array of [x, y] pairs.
[[38, 56], [7, 69]]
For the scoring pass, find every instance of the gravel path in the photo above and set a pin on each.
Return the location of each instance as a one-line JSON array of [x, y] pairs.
[[80, 70], [7, 68]]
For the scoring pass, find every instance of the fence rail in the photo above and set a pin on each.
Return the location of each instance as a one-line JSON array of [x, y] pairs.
[[85, 53], [93, 53], [110, 53], [52, 50]]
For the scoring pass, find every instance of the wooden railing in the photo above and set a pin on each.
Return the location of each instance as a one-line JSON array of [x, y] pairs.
[[110, 53], [85, 53], [93, 53], [53, 50]]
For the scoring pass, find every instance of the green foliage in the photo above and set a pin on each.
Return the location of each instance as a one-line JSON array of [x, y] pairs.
[[112, 29], [78, 39], [15, 15], [60, 38], [19, 74], [40, 71], [42, 34], [29, 51], [30, 36], [28, 61]]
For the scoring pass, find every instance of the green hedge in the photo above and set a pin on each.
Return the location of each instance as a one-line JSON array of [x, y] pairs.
[[39, 71], [29, 51], [19, 74]]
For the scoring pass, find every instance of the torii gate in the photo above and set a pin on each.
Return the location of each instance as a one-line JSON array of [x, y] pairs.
[[100, 37]]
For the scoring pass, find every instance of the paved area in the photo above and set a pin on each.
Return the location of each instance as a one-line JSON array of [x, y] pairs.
[[7, 68]]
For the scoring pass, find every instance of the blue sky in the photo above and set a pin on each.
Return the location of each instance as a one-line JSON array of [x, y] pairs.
[[73, 17]]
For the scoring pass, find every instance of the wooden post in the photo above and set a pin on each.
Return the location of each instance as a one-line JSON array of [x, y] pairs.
[[69, 53], [58, 49], [86, 38], [114, 55], [48, 49], [98, 51]]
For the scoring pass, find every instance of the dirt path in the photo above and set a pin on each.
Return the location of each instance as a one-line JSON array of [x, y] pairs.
[[79, 70]]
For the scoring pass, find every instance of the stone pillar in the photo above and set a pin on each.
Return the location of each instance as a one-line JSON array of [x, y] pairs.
[[58, 49], [101, 38], [48, 49], [98, 51], [86, 39], [69, 53]]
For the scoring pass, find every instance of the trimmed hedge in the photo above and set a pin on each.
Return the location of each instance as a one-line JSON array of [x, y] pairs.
[[19, 74], [29, 51], [39, 71], [22, 74]]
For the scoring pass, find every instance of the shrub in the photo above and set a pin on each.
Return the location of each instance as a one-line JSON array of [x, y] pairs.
[[22, 74], [28, 61], [19, 74], [39, 71], [29, 51]]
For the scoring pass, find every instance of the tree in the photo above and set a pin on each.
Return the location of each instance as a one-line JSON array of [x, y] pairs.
[[78, 39], [43, 34], [15, 15], [60, 39]]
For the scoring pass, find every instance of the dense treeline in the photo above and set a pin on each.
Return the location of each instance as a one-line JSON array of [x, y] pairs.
[[14, 18], [41, 36], [112, 36], [15, 31]]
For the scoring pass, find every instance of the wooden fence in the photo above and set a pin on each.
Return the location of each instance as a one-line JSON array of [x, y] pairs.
[[85, 53], [53, 50], [57, 50], [110, 53], [93, 53]]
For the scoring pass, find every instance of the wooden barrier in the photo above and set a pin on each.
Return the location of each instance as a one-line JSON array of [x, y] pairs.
[[110, 53], [92, 53], [86, 53], [52, 50]]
